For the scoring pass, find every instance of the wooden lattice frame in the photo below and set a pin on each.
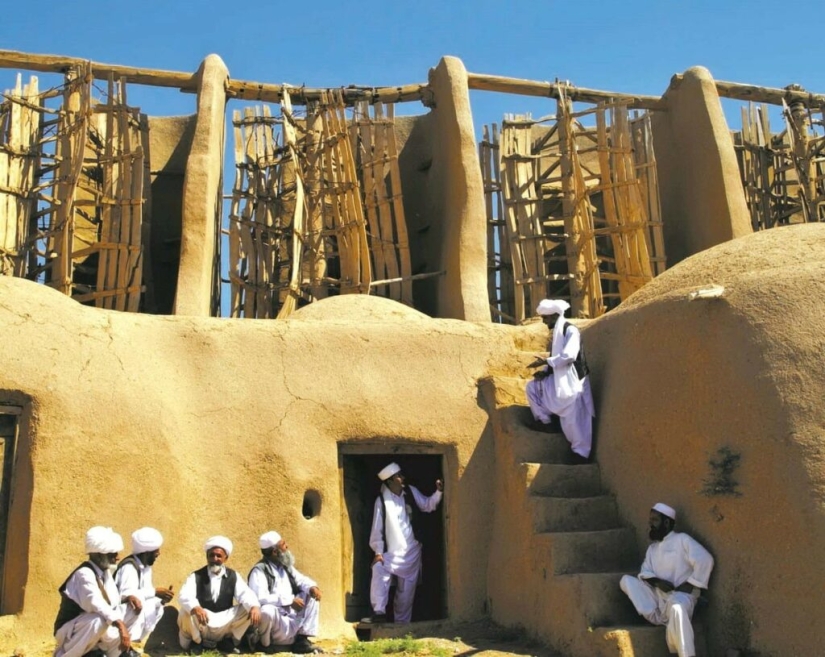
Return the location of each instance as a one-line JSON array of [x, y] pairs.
[[581, 209], [316, 208]]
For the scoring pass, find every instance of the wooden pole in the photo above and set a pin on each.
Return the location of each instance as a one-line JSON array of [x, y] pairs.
[[523, 87]]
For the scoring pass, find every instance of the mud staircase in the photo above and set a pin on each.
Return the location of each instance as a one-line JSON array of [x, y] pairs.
[[559, 514]]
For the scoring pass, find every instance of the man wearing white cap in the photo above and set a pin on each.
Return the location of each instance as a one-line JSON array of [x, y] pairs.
[[290, 601], [90, 615], [397, 552], [562, 387], [144, 602], [216, 605], [675, 571]]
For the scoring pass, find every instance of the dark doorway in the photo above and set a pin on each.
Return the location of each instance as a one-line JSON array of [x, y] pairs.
[[360, 489], [8, 440]]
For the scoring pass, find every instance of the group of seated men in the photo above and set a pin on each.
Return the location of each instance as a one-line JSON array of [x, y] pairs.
[[108, 605]]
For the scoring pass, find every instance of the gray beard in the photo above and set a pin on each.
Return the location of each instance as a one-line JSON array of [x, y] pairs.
[[215, 569], [285, 558]]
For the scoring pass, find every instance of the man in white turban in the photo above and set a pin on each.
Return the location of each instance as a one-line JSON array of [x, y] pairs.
[[675, 571], [90, 615], [562, 386], [216, 605], [392, 539], [290, 601], [144, 602]]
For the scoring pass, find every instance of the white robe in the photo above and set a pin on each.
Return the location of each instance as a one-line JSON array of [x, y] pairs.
[[562, 393], [280, 623], [401, 554], [677, 559], [232, 622], [93, 628], [136, 580]]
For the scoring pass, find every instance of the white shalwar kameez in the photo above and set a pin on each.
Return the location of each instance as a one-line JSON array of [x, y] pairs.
[[231, 622], [562, 393], [676, 559], [135, 579], [92, 629], [402, 554], [280, 623]]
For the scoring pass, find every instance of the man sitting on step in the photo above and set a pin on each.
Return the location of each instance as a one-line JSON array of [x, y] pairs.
[[562, 388], [675, 570]]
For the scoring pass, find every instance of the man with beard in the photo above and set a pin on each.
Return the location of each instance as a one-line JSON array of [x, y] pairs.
[[562, 388], [290, 601], [91, 616], [216, 605], [397, 552], [144, 602], [675, 570]]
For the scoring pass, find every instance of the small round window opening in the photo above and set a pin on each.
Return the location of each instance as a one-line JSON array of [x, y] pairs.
[[312, 504]]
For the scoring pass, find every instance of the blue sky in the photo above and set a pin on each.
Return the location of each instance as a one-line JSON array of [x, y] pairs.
[[627, 47]]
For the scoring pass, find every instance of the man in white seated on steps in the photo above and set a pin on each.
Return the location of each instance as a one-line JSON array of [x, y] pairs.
[[144, 603], [90, 617], [216, 605], [675, 571], [558, 388], [397, 552], [290, 601]]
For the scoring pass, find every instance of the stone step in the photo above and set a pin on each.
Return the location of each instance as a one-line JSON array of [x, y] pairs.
[[600, 551], [640, 641], [599, 598], [560, 480], [539, 447], [574, 514]]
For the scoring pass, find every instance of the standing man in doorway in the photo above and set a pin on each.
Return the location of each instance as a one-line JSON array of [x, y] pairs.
[[397, 552]]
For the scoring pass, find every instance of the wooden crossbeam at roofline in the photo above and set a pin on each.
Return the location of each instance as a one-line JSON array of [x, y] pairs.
[[250, 90]]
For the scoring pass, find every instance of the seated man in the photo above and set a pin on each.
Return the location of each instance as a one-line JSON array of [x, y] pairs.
[[216, 605], [91, 616], [144, 602], [560, 388], [675, 570], [397, 552], [290, 601]]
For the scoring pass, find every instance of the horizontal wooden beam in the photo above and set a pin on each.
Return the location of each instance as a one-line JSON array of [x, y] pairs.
[[249, 90], [523, 87], [60, 64], [769, 95], [273, 93]]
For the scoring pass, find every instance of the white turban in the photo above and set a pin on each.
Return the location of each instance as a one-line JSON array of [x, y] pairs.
[[146, 539], [665, 510], [268, 540], [389, 471], [552, 307], [218, 541], [103, 540]]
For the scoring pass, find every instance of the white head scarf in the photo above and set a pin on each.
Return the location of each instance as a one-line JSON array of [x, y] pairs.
[[665, 510], [388, 471], [146, 539], [552, 307], [218, 541], [103, 540], [268, 540]]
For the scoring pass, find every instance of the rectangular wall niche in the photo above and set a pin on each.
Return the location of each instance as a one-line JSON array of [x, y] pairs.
[[358, 467], [8, 442]]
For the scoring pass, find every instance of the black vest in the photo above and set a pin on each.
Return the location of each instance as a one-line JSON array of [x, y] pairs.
[[69, 609], [226, 596], [409, 503], [270, 578], [131, 560]]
